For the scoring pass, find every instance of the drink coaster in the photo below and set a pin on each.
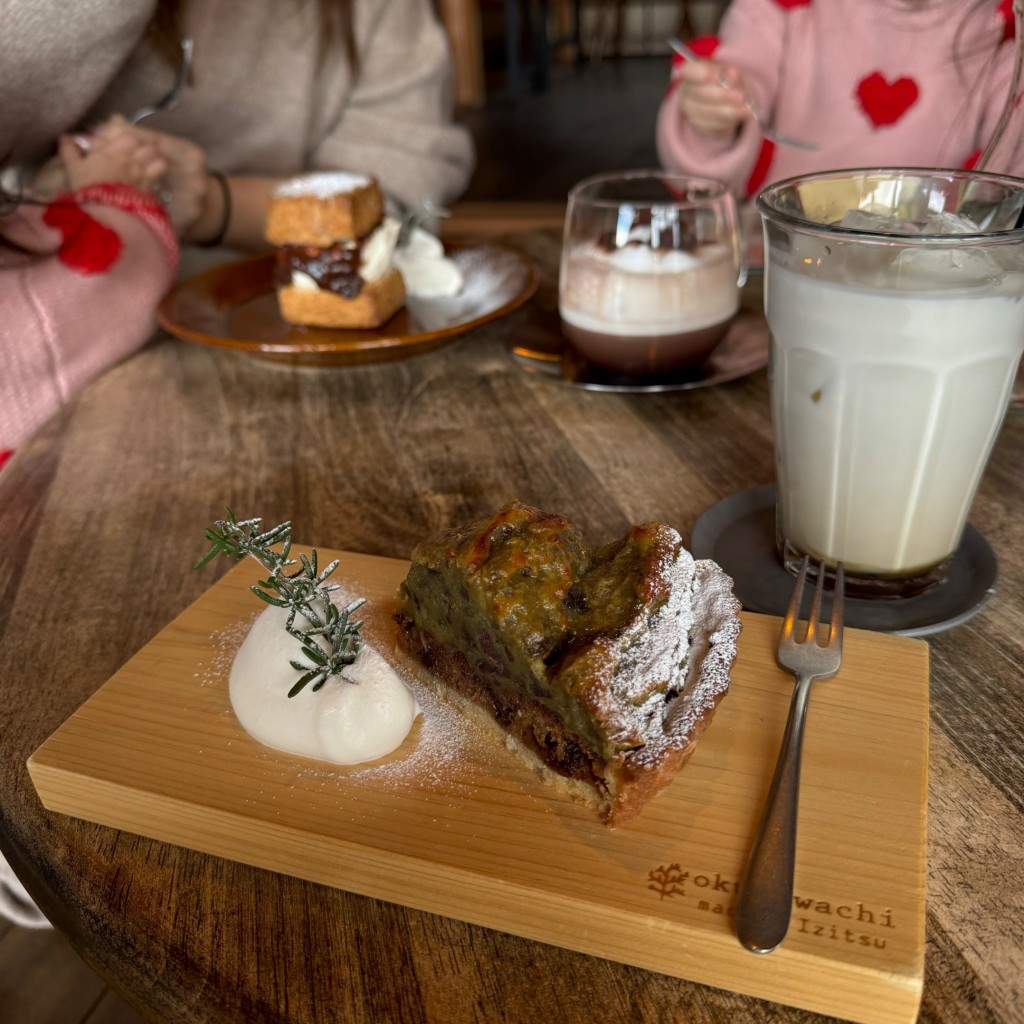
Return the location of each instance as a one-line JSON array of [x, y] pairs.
[[739, 534]]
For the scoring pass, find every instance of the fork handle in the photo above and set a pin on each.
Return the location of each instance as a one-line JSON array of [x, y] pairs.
[[766, 893]]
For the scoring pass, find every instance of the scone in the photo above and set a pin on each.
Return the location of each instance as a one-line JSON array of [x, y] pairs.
[[334, 265], [604, 667]]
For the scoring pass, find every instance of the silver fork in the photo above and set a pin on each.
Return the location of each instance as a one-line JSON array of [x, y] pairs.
[[411, 217], [762, 123], [170, 101], [766, 893]]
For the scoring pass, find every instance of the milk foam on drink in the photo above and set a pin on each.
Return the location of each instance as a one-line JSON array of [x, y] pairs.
[[639, 291], [886, 403]]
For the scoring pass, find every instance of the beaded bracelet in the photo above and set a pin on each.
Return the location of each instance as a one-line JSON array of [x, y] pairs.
[[225, 220]]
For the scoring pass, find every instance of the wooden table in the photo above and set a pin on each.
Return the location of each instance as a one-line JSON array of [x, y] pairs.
[[101, 513]]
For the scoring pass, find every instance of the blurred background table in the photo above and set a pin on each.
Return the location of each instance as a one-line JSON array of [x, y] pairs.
[[101, 517]]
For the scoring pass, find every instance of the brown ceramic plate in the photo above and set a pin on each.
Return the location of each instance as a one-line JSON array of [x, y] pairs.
[[234, 306]]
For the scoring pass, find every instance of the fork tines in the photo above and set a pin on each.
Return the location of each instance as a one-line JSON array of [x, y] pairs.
[[835, 634]]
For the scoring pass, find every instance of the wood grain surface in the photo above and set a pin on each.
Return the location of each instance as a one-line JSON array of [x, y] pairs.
[[454, 823], [102, 514]]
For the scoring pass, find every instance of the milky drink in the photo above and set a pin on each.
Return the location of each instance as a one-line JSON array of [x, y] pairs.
[[641, 309], [886, 401]]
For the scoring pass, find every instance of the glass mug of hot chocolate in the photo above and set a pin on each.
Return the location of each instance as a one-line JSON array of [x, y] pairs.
[[651, 270], [895, 300]]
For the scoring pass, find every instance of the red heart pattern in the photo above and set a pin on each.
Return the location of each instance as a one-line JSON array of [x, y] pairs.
[[1005, 12], [87, 246], [886, 102], [759, 174]]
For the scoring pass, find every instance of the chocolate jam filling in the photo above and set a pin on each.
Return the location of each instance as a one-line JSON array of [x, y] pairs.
[[334, 268]]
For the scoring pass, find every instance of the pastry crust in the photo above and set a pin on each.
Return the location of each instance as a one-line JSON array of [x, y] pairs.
[[310, 219], [376, 303]]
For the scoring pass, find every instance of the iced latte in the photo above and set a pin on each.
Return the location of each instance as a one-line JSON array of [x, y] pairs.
[[896, 337]]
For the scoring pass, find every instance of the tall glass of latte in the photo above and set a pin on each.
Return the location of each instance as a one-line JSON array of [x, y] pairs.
[[651, 270], [895, 300]]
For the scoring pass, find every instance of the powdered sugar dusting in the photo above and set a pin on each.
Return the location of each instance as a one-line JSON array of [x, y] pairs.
[[491, 278], [714, 635], [225, 643], [439, 739], [322, 185], [689, 645], [656, 648]]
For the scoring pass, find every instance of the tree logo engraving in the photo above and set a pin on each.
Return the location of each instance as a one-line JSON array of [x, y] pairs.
[[668, 881]]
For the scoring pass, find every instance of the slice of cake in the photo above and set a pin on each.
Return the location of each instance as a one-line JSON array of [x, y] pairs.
[[335, 251], [604, 666]]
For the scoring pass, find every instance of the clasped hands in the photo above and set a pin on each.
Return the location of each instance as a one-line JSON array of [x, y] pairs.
[[172, 168]]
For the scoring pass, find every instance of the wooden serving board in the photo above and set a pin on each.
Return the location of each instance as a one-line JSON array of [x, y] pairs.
[[454, 824]]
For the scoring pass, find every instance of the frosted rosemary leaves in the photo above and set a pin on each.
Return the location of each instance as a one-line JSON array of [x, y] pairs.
[[301, 588]]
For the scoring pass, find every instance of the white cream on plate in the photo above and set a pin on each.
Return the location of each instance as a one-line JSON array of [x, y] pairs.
[[427, 272], [348, 720], [379, 250]]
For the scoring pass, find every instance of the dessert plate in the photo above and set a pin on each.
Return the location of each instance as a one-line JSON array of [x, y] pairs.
[[742, 351], [234, 306]]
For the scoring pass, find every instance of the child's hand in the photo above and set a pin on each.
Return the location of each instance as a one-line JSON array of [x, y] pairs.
[[186, 181], [116, 153], [712, 99]]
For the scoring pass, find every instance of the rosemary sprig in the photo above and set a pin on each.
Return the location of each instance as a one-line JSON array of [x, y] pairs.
[[303, 591]]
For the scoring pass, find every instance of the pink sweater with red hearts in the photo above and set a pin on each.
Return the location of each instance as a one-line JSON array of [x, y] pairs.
[[871, 82], [79, 284]]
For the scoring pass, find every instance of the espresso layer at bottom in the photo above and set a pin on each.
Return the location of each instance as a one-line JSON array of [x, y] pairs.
[[646, 353]]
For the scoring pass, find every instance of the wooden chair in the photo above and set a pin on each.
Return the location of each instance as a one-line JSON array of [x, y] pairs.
[[610, 23], [461, 19]]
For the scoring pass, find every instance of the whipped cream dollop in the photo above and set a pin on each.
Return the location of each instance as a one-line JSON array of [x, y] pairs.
[[348, 720], [427, 272], [636, 290], [378, 252]]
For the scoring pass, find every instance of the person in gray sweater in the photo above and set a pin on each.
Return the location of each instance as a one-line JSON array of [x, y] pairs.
[[277, 88]]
